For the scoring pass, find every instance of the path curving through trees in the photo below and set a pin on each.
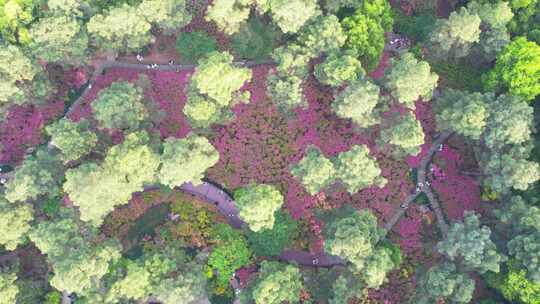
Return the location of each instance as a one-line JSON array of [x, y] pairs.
[[213, 193]]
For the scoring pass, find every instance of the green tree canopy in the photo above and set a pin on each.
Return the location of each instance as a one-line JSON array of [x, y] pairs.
[[409, 79], [358, 170], [120, 29], [339, 69], [286, 91], [8, 287], [517, 70], [97, 188], [255, 40], [521, 226], [444, 282], [78, 262], [16, 69], [322, 35], [59, 39], [39, 174], [15, 221], [509, 168], [358, 102], [192, 46], [510, 121], [277, 283], [230, 253], [470, 244], [74, 139], [514, 284], [290, 15], [186, 160], [462, 112], [168, 15], [15, 17], [345, 287], [454, 37], [494, 15], [229, 15], [258, 204], [271, 242], [365, 36], [314, 171], [404, 133], [120, 106], [217, 78], [352, 235]]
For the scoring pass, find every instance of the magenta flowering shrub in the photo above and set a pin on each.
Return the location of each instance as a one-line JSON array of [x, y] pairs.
[[457, 192], [21, 129], [409, 230], [383, 64], [76, 77]]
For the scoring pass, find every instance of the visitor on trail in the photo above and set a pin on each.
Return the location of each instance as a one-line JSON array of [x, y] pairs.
[[139, 58]]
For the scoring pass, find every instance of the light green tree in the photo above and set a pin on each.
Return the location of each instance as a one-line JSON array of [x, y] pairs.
[[358, 102], [292, 60], [409, 79], [97, 188], [352, 235], [339, 69], [493, 14], [15, 221], [345, 287], [80, 269], [521, 227], [74, 139], [135, 285], [59, 39], [508, 169], [78, 263], [289, 16], [184, 289], [510, 121], [186, 160], [169, 15], [120, 106], [357, 169], [120, 29], [229, 15], [258, 204], [378, 265], [15, 69], [38, 175], [314, 171], [202, 112], [517, 70], [462, 112], [217, 78], [8, 287], [444, 282], [323, 34], [470, 244], [454, 37], [404, 133], [277, 283], [286, 92]]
